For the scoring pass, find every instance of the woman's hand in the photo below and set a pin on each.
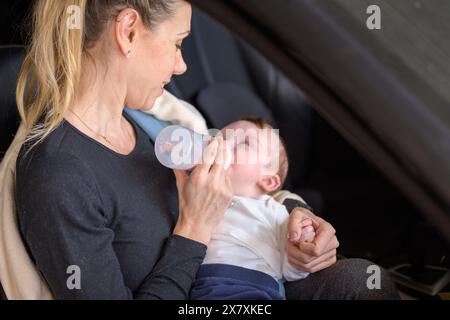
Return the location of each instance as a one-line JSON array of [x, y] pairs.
[[204, 195], [310, 256]]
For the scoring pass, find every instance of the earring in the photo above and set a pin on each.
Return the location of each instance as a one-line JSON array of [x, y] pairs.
[[128, 53]]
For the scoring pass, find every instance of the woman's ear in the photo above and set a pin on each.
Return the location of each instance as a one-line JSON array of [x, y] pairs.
[[126, 29], [269, 183]]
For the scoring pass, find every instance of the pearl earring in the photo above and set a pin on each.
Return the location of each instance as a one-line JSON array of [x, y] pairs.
[[128, 53]]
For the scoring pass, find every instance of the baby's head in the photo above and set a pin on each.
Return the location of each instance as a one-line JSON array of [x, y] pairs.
[[260, 162]]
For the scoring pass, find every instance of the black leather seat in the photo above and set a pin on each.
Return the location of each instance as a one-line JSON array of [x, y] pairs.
[[11, 58]]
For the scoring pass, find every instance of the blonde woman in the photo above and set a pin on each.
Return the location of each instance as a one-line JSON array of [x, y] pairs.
[[100, 217], [90, 193]]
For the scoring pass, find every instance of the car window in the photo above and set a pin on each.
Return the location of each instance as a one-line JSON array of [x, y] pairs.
[[417, 32]]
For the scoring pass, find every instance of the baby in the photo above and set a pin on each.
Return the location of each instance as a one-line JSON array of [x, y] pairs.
[[246, 256]]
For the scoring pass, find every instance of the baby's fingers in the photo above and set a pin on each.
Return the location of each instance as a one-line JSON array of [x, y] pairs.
[[308, 237]]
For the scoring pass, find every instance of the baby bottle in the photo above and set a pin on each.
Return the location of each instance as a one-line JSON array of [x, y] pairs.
[[180, 148]]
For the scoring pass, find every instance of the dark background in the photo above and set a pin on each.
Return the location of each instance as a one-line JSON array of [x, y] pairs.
[[12, 14]]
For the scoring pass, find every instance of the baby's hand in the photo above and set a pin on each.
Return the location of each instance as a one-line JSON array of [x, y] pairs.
[[308, 233]]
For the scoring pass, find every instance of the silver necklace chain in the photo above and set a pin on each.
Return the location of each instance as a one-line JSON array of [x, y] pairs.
[[97, 133]]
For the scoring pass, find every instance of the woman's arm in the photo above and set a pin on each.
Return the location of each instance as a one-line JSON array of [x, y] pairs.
[[63, 221]]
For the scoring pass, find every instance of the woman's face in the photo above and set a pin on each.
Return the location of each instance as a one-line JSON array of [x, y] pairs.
[[156, 57]]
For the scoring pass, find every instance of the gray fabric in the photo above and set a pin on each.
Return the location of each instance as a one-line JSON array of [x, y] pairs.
[[345, 280]]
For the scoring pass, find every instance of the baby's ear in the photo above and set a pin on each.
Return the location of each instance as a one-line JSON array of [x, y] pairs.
[[269, 183]]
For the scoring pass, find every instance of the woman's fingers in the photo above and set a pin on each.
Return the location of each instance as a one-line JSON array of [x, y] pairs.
[[303, 260], [333, 244], [206, 193], [295, 225], [219, 174], [209, 156], [221, 157], [211, 170], [295, 254], [322, 265], [229, 185], [325, 261], [314, 264], [181, 177]]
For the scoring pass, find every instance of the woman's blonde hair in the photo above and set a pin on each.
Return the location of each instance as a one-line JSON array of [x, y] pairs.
[[52, 67]]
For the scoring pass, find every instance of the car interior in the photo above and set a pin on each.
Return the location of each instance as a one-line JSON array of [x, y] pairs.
[[372, 218]]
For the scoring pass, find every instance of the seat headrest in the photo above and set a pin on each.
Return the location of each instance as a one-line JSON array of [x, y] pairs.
[[11, 58], [223, 103]]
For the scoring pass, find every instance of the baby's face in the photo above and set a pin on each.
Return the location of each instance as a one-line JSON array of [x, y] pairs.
[[255, 153]]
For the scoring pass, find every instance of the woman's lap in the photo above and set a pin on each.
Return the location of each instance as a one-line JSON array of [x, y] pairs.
[[346, 279]]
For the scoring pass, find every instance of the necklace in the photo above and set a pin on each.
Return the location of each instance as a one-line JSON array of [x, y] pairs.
[[96, 133]]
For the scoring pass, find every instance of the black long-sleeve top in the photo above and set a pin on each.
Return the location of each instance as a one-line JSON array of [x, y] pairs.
[[81, 204]]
